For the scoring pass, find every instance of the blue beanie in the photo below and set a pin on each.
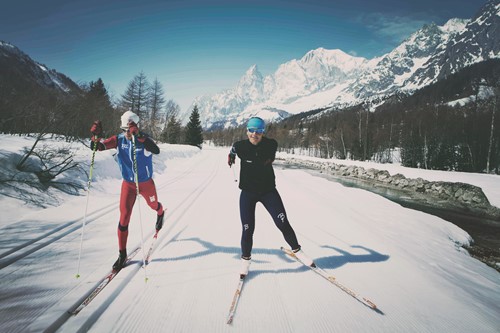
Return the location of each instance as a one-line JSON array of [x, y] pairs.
[[257, 123]]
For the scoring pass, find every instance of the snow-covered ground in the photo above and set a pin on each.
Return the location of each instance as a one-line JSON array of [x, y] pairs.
[[409, 263]]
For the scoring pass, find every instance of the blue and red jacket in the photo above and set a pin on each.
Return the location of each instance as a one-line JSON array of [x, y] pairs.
[[144, 147]]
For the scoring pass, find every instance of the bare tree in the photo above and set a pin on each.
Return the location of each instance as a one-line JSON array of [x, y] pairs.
[[156, 103], [136, 98], [492, 128], [172, 109]]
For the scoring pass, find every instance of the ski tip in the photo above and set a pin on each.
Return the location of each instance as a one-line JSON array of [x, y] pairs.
[[370, 304]]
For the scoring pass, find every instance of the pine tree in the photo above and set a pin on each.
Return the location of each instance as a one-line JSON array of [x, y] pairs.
[[172, 131], [194, 135], [95, 105], [101, 102], [172, 128]]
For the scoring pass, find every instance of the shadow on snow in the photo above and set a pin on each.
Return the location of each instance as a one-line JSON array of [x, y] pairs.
[[329, 262]]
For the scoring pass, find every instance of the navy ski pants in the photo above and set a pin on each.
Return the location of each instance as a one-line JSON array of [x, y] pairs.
[[274, 205]]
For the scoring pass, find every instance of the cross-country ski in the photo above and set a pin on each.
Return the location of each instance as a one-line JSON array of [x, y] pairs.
[[236, 298], [104, 282], [330, 278]]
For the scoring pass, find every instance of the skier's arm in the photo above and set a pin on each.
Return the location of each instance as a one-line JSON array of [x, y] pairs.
[[270, 154], [108, 143], [96, 131], [149, 144]]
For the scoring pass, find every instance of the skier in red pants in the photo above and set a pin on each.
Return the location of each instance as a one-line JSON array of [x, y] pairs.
[[144, 148]]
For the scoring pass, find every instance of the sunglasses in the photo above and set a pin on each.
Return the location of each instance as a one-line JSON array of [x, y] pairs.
[[256, 130]]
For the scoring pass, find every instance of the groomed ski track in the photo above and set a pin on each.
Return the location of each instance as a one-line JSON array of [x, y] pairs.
[[194, 267]]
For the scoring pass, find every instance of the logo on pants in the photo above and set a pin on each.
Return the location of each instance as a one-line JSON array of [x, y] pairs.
[[281, 216]]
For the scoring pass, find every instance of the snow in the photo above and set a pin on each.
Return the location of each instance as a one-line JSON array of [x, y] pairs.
[[454, 25], [409, 263], [400, 80], [490, 184]]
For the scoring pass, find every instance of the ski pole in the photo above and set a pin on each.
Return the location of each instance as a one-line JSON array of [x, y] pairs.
[[86, 205], [136, 177], [234, 175]]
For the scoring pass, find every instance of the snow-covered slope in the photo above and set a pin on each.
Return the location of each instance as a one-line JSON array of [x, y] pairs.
[[19, 70], [409, 263]]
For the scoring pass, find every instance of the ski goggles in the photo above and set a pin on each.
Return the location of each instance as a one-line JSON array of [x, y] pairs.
[[255, 130]]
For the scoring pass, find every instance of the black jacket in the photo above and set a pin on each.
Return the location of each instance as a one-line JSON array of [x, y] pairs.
[[256, 174]]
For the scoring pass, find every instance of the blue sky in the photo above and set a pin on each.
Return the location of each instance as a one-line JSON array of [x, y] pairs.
[[195, 47]]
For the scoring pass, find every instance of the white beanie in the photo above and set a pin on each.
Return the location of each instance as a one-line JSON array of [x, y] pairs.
[[128, 117]]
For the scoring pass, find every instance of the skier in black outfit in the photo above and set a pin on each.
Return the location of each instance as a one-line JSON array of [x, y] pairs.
[[257, 184]]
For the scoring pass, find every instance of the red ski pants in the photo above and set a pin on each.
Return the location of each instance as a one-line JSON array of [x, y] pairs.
[[127, 200]]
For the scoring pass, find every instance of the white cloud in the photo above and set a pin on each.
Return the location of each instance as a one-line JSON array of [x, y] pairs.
[[395, 28]]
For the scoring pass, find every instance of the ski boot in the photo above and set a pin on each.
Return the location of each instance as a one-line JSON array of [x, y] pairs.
[[245, 265], [159, 221], [120, 262], [304, 258]]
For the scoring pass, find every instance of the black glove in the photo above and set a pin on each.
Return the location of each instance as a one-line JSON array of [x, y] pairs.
[[231, 159], [268, 161]]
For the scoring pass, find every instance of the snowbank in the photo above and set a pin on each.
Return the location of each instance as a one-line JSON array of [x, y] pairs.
[[489, 184], [24, 189]]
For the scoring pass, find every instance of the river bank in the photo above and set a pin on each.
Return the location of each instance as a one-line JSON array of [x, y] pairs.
[[461, 204]]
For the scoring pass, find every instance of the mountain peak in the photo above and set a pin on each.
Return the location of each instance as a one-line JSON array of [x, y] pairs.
[[5, 44], [321, 51], [14, 63], [335, 55], [253, 71], [454, 25]]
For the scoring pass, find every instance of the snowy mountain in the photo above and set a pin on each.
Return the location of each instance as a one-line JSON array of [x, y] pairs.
[[18, 70], [271, 96], [326, 78], [407, 67]]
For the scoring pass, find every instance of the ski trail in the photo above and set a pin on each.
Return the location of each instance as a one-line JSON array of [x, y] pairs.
[[26, 248], [187, 307], [132, 273], [65, 302]]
